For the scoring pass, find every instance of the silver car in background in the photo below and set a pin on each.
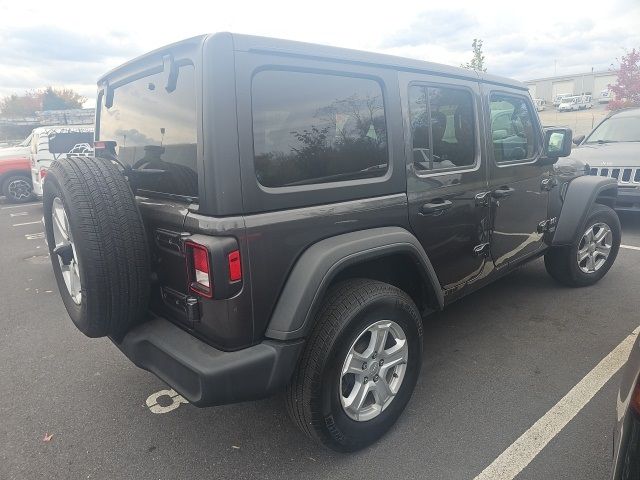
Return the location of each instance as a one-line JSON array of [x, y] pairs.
[[612, 150]]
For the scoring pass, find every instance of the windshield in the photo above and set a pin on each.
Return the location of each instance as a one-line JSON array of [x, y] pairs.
[[155, 130], [617, 129], [26, 142], [568, 99]]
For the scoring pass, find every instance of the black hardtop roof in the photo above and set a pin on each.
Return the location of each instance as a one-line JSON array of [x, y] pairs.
[[276, 46]]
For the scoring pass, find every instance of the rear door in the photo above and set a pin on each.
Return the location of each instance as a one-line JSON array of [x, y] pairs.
[[155, 132], [446, 179], [519, 198]]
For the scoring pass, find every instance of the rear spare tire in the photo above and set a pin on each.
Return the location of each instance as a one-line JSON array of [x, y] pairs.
[[97, 245]]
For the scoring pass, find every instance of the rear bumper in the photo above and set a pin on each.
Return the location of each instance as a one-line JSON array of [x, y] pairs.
[[628, 200], [205, 375]]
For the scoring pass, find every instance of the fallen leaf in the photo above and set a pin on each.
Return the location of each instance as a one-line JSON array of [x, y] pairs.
[[236, 447], [47, 437]]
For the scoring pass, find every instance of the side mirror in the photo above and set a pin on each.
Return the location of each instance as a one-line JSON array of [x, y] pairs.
[[578, 140], [557, 143]]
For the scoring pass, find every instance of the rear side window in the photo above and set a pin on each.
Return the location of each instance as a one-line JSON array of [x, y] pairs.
[[512, 128], [154, 128], [64, 142], [311, 128], [442, 128]]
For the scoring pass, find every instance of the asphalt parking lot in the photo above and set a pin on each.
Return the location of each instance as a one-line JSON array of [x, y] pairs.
[[494, 364], [580, 121]]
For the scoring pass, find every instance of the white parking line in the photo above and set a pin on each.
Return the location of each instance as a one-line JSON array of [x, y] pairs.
[[34, 236], [26, 223], [24, 205], [18, 214], [521, 452], [630, 247]]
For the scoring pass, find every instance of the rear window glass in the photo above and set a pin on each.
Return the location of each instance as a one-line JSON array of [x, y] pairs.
[[64, 142], [155, 129], [311, 128]]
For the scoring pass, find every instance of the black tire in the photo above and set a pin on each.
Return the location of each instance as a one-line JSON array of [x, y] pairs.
[[313, 397], [110, 243], [561, 262], [14, 194]]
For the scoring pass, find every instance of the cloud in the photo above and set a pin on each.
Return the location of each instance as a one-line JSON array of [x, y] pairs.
[[438, 27], [35, 57], [520, 46], [51, 43]]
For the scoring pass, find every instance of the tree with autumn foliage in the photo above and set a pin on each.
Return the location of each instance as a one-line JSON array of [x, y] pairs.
[[626, 90], [36, 100]]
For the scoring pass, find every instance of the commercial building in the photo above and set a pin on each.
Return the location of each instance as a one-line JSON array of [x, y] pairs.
[[589, 83]]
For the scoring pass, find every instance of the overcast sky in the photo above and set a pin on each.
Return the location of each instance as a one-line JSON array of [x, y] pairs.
[[71, 43]]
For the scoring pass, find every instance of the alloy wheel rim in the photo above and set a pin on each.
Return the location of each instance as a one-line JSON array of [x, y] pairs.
[[19, 189], [66, 251], [373, 370], [594, 248]]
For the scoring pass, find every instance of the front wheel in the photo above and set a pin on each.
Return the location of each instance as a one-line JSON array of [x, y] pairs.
[[360, 366], [592, 253]]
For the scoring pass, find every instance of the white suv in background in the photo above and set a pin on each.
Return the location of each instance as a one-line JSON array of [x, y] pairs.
[[51, 143]]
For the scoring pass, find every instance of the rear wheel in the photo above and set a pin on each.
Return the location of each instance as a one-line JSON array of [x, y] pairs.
[[593, 252], [360, 366], [17, 188]]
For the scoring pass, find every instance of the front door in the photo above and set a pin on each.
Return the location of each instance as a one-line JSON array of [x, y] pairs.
[[519, 186], [445, 175]]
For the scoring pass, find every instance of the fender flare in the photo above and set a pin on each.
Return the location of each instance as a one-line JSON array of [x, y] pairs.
[[581, 194], [315, 269]]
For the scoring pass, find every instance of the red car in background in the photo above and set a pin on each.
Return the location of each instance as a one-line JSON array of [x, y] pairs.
[[15, 172]]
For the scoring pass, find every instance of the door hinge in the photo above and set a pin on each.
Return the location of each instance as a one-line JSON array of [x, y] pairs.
[[548, 183], [482, 250], [548, 225], [483, 199]]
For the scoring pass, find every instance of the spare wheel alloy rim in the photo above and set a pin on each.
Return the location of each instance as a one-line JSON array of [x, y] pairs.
[[373, 370], [65, 250]]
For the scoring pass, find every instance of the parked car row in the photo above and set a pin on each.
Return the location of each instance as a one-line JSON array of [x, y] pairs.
[[574, 103], [23, 167], [612, 150]]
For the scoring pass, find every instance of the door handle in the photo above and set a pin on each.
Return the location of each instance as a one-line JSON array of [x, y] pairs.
[[435, 207], [502, 192]]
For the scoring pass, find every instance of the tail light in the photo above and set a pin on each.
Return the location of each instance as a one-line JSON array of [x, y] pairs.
[[43, 173], [235, 267], [214, 266], [199, 269]]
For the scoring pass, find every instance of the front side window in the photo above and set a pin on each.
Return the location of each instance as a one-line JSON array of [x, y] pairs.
[[442, 128], [311, 128], [512, 128], [154, 128]]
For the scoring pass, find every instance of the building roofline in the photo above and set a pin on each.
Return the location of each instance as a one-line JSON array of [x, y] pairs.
[[570, 76]]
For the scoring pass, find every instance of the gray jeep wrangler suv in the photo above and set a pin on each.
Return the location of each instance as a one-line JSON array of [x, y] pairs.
[[265, 215]]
